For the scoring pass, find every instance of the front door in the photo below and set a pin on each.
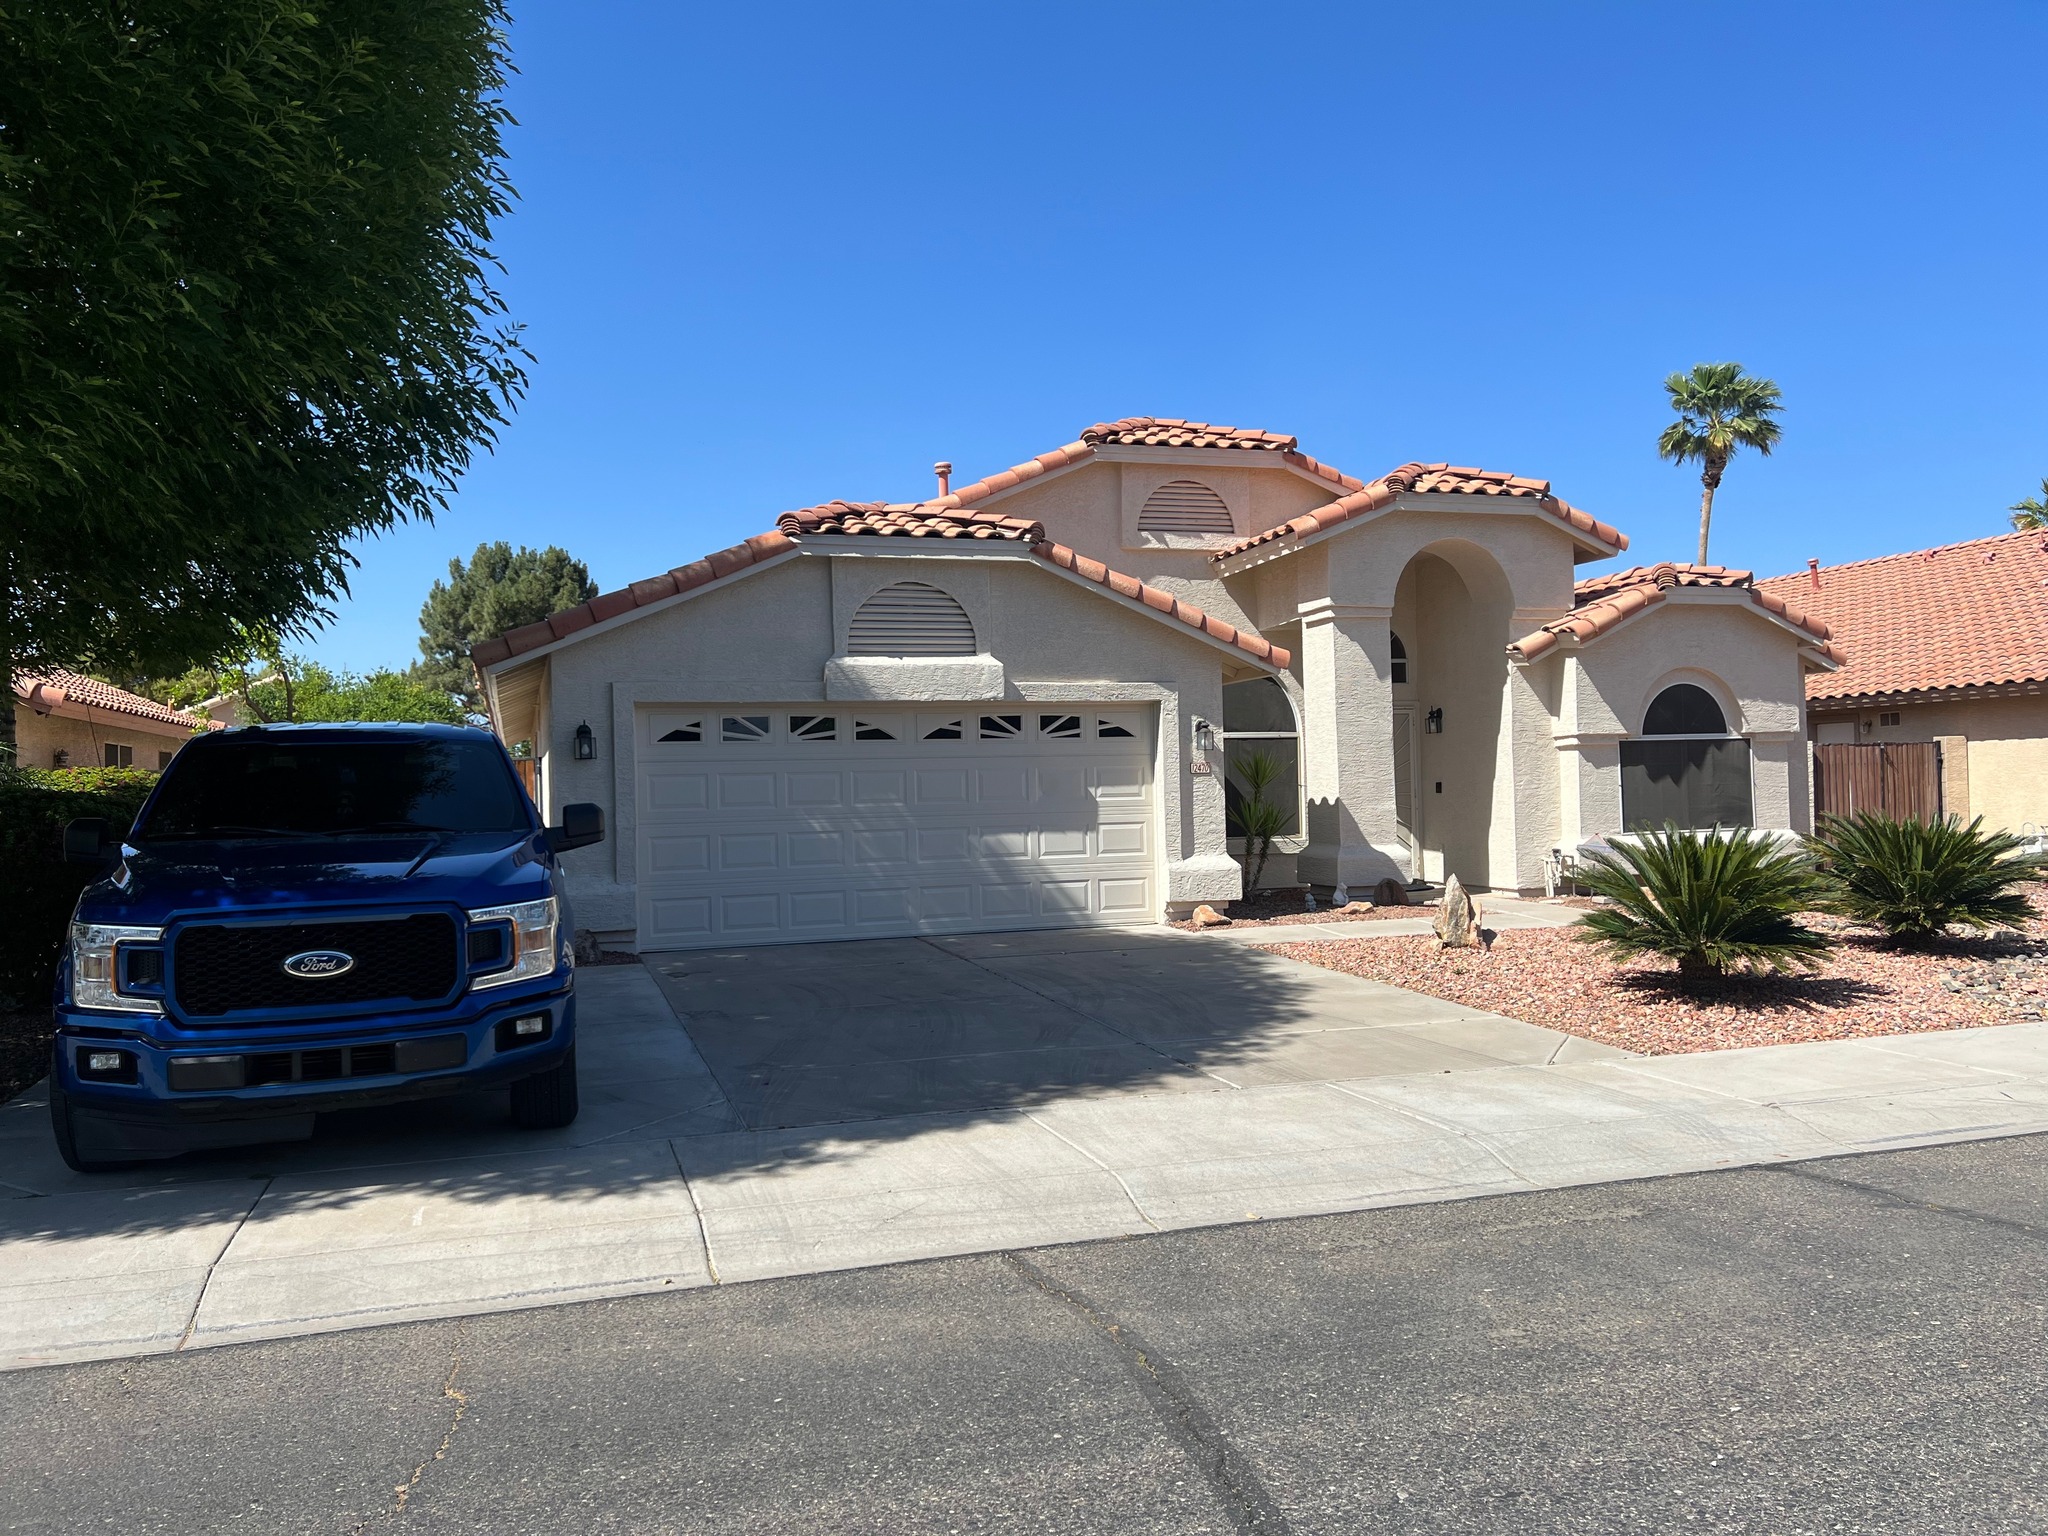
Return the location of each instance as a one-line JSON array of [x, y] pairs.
[[1406, 766]]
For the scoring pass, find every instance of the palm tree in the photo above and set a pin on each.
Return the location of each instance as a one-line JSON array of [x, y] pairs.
[[2031, 512], [1720, 409]]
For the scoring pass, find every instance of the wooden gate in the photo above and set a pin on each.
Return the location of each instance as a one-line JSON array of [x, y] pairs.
[[1901, 779]]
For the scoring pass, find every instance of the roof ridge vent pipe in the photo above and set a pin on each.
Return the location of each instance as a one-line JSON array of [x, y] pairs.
[[1813, 571], [944, 471]]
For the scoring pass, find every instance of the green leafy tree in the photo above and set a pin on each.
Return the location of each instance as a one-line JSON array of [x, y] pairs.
[[294, 690], [499, 589], [1711, 901], [246, 312], [1914, 879], [1720, 410], [2031, 512]]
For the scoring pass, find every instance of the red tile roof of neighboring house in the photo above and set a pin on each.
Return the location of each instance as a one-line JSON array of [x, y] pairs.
[[1961, 616], [1602, 602], [871, 520], [1432, 480], [46, 688]]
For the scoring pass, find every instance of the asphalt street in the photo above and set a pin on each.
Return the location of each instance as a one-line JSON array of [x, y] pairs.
[[1844, 1346]]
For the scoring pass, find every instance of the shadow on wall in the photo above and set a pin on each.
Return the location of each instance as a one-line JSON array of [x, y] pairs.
[[809, 1052]]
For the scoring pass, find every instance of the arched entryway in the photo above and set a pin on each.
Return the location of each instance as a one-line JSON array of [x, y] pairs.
[[1453, 609]]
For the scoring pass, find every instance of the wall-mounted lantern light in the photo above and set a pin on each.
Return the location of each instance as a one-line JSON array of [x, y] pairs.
[[1205, 735], [1433, 723], [586, 743]]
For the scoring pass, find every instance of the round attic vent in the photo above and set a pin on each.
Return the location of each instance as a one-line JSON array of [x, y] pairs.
[[911, 618], [1184, 506]]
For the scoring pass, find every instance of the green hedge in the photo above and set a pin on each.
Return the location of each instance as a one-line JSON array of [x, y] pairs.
[[37, 888]]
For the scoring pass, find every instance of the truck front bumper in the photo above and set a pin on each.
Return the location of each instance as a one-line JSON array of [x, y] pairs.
[[143, 1096]]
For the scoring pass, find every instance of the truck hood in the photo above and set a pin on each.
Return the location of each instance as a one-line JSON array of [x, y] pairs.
[[158, 881]]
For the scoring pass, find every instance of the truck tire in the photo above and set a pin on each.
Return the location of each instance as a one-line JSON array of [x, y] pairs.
[[547, 1100], [65, 1128]]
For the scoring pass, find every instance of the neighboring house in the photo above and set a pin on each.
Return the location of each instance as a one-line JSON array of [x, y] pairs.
[[1949, 646], [66, 720], [1014, 704]]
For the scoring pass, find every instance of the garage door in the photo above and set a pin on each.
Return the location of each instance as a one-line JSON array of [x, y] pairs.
[[763, 825]]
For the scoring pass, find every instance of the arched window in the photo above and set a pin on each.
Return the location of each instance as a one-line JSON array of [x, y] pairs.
[[1259, 717], [1684, 709], [911, 618], [1685, 768], [1184, 506], [1400, 655]]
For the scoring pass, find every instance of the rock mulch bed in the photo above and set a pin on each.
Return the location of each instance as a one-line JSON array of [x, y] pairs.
[[1553, 978], [24, 1049], [1284, 907]]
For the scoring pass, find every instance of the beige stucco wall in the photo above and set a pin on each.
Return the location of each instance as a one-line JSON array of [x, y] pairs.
[[40, 737], [2005, 741], [1723, 643], [770, 637]]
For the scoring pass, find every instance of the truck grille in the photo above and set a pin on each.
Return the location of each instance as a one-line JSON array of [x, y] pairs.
[[224, 968]]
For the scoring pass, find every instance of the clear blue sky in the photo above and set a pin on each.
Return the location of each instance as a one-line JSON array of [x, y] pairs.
[[768, 255]]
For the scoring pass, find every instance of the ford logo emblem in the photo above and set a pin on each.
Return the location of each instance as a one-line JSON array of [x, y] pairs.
[[318, 964]]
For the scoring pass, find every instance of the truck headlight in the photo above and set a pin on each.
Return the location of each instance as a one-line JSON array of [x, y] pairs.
[[533, 941], [96, 967]]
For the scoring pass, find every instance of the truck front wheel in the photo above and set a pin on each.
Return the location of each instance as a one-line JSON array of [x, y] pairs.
[[547, 1100]]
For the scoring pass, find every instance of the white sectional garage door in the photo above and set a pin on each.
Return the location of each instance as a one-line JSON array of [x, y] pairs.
[[767, 824]]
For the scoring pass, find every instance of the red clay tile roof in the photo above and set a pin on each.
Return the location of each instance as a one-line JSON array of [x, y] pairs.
[[1602, 602], [48, 687], [886, 521], [871, 520], [1433, 480], [1970, 615], [1172, 432]]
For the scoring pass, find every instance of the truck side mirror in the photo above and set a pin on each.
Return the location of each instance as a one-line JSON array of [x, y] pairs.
[[85, 840], [582, 825]]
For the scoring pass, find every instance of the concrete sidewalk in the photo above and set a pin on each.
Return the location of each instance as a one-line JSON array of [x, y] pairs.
[[687, 1172]]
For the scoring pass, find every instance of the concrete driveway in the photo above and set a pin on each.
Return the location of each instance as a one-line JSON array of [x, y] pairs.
[[822, 1034], [788, 1111]]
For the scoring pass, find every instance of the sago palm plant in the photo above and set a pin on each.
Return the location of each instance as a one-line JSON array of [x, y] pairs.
[[1914, 879], [1712, 901]]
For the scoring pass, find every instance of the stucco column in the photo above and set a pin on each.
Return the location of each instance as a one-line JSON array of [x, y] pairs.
[[1525, 825], [1348, 748], [1780, 795]]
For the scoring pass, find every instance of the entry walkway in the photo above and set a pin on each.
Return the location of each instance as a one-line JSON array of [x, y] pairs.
[[786, 1111]]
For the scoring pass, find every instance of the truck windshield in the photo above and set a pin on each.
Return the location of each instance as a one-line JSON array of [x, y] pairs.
[[274, 788]]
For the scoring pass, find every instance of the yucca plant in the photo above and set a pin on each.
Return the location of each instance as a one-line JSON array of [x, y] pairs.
[[1714, 902], [1254, 817], [1914, 879]]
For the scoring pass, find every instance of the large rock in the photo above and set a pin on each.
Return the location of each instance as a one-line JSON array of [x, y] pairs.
[[1457, 920], [1206, 916], [1390, 893]]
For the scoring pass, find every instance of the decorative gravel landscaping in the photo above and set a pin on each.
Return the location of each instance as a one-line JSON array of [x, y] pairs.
[[1284, 907], [1553, 978]]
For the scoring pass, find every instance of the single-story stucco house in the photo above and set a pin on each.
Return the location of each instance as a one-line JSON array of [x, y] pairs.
[[1016, 703], [65, 719], [1948, 646]]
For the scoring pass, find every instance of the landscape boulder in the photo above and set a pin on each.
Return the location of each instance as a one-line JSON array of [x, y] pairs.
[[1457, 920]]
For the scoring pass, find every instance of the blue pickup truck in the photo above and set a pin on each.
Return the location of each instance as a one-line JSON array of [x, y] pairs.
[[309, 918]]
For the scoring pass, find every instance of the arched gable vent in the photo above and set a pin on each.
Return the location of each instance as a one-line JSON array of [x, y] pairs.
[[911, 618], [1184, 506]]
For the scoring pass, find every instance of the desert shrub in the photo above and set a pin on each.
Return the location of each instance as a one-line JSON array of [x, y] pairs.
[[1712, 901], [1915, 879], [1254, 816], [38, 889]]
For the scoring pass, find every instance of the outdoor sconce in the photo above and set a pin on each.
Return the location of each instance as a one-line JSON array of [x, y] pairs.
[[1433, 723], [586, 744], [1205, 735]]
